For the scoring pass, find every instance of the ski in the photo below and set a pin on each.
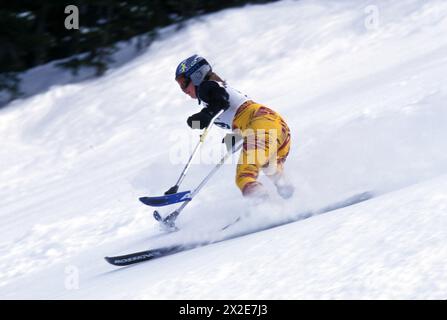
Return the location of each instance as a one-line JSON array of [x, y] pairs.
[[141, 256], [156, 253], [166, 199]]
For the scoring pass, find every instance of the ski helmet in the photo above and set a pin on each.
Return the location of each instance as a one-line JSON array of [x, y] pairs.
[[194, 68]]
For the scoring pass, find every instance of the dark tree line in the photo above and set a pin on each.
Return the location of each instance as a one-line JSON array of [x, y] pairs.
[[32, 32]]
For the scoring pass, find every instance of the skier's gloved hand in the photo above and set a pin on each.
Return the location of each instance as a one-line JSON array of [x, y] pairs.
[[200, 120], [231, 140], [172, 190]]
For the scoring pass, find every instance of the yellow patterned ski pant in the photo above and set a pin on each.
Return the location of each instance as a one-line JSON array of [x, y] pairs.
[[266, 144]]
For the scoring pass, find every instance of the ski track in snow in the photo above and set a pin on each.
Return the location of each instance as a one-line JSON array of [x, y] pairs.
[[367, 110]]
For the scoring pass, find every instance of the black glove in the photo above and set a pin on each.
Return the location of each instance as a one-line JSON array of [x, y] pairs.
[[230, 140], [204, 118]]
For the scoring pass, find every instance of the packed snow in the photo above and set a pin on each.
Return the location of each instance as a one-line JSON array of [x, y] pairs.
[[362, 87]]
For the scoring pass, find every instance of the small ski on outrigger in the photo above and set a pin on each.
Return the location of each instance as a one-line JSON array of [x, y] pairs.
[[155, 253]]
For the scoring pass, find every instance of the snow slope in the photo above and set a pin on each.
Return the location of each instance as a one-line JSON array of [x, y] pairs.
[[366, 106]]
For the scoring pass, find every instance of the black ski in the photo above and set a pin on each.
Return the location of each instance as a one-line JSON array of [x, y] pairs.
[[146, 255], [151, 254]]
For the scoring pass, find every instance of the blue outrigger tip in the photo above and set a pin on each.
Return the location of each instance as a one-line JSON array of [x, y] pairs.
[[166, 200]]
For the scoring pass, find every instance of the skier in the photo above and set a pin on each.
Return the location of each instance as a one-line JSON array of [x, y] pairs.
[[266, 136]]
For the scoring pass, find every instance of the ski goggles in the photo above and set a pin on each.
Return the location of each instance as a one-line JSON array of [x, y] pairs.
[[183, 82]]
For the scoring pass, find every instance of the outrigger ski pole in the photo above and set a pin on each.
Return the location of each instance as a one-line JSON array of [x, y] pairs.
[[174, 188], [169, 220]]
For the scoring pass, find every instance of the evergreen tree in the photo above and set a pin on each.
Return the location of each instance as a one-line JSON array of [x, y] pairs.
[[32, 32]]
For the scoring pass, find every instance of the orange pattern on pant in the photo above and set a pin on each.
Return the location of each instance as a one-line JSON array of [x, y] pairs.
[[266, 144]]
